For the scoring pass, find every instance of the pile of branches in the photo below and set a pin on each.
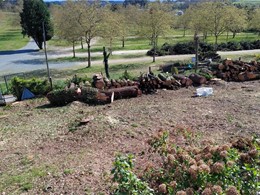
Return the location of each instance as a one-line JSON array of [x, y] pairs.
[[230, 70]]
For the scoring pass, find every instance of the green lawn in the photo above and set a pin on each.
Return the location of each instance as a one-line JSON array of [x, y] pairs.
[[10, 32]]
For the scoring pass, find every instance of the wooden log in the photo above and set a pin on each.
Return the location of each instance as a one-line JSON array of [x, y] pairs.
[[123, 92], [198, 79], [185, 81], [221, 66], [100, 84]]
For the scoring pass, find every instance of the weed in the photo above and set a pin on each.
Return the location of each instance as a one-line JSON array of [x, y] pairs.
[[68, 171], [127, 181]]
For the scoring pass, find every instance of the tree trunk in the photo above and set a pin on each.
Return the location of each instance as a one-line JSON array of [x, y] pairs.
[[227, 36], [216, 41], [81, 42], [89, 57], [123, 92], [197, 79], [234, 35], [184, 32], [73, 48], [123, 41]]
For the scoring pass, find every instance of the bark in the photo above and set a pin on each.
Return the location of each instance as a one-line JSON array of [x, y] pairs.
[[81, 42], [89, 57], [123, 41], [123, 92], [198, 79], [73, 48], [234, 34]]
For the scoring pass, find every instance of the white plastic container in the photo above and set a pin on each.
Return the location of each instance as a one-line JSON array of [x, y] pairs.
[[204, 91]]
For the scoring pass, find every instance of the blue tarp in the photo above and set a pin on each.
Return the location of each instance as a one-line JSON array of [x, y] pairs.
[[27, 94]]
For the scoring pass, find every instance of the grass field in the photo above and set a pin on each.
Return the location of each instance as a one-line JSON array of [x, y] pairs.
[[10, 32]]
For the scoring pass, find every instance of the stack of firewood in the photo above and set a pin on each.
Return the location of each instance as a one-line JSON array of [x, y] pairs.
[[149, 82], [237, 70], [101, 82]]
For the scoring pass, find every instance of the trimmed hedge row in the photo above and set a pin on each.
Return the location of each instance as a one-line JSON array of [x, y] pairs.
[[36, 86], [189, 47]]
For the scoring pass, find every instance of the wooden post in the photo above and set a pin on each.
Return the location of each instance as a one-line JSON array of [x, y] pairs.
[[196, 39], [46, 58]]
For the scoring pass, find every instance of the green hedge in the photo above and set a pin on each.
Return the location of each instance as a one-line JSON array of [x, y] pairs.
[[36, 86], [189, 47]]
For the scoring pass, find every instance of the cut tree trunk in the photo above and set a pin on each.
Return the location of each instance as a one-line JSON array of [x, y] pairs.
[[198, 79], [123, 92]]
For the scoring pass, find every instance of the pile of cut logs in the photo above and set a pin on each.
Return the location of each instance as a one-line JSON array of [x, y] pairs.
[[101, 82], [147, 83], [237, 70]]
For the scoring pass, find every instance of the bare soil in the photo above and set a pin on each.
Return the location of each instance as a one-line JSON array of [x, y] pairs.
[[43, 150]]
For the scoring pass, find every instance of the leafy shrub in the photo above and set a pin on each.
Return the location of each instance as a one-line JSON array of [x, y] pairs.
[[188, 47], [208, 168], [126, 75], [128, 182], [211, 167], [77, 80], [59, 84], [234, 46], [36, 86]]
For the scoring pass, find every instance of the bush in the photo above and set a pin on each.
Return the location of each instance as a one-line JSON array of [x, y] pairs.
[[198, 169], [36, 86], [188, 47], [128, 182]]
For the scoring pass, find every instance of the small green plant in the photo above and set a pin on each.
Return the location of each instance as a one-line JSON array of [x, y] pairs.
[[127, 182], [126, 75]]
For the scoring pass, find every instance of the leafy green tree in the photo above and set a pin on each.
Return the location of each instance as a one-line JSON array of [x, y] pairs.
[[183, 22], [34, 14], [111, 27], [90, 18], [154, 22], [254, 22], [65, 22], [236, 20]]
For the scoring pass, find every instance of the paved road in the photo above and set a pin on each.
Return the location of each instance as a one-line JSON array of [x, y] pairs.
[[30, 58], [26, 59]]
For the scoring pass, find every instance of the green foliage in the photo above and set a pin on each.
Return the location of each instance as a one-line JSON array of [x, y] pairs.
[[218, 168], [36, 86], [126, 75], [77, 80], [128, 183], [188, 47], [33, 15]]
